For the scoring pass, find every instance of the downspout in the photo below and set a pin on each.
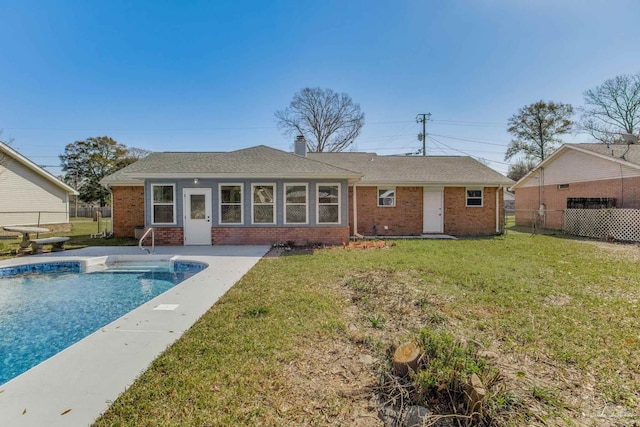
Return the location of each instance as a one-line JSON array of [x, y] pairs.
[[497, 210], [355, 214], [111, 192], [111, 219]]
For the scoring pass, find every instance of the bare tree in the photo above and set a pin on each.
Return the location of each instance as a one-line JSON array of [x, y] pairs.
[[520, 168], [329, 121], [613, 108], [536, 128], [4, 159]]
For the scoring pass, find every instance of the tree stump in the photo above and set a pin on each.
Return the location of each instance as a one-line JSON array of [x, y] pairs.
[[475, 394], [406, 356]]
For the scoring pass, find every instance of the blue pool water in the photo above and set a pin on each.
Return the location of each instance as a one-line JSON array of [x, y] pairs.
[[47, 307]]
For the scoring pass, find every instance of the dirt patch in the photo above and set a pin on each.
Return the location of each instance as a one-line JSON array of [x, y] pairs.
[[280, 250], [628, 251], [333, 380], [557, 300], [365, 244]]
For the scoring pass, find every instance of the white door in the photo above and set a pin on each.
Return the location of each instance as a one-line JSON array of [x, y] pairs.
[[197, 216], [432, 211]]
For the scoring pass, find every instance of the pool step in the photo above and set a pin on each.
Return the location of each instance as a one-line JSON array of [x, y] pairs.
[[137, 269]]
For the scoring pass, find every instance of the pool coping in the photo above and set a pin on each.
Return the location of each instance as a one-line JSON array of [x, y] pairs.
[[74, 387]]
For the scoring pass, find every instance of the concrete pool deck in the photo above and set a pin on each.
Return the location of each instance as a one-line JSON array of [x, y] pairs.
[[74, 387]]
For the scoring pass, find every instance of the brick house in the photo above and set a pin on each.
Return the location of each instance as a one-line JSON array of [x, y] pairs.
[[261, 195], [579, 176]]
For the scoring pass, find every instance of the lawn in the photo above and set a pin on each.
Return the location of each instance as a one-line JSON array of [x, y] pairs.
[[304, 338]]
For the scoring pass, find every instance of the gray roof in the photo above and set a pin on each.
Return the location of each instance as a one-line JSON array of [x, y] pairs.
[[630, 153], [415, 169], [267, 162], [259, 161]]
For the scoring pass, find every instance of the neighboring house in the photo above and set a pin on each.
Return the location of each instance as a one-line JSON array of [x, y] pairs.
[[261, 195], [579, 176], [509, 201], [29, 195]]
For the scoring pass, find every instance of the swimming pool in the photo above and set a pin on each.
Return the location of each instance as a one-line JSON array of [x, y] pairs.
[[46, 307]]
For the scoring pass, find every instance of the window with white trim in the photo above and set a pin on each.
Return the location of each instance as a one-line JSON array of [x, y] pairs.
[[295, 203], [163, 207], [230, 203], [328, 208], [263, 203], [474, 197], [386, 197]]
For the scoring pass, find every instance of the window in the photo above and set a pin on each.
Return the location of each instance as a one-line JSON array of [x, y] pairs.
[[474, 198], [386, 197], [163, 206], [295, 205], [563, 186], [263, 203], [328, 203], [197, 206], [591, 202], [230, 203]]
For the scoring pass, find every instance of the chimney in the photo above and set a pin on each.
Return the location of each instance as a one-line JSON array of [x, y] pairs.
[[300, 146]]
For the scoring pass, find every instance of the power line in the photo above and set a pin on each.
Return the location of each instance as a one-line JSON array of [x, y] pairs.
[[472, 124], [479, 141], [467, 154]]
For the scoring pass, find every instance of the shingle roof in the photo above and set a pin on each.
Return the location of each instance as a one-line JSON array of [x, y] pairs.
[[415, 169], [630, 153], [255, 161], [268, 162]]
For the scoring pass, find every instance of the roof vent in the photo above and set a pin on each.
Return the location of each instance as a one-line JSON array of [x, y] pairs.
[[300, 146]]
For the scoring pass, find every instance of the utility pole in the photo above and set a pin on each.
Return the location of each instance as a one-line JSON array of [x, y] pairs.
[[423, 118]]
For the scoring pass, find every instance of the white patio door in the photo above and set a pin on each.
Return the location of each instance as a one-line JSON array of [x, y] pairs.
[[432, 211], [197, 216]]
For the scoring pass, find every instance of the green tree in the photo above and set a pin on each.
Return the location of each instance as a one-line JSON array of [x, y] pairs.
[[536, 128], [613, 108], [329, 121], [87, 162]]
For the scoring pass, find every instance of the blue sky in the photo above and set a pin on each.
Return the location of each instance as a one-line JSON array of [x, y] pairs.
[[209, 75]]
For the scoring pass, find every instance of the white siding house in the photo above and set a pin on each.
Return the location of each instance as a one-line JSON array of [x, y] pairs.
[[29, 194], [576, 163]]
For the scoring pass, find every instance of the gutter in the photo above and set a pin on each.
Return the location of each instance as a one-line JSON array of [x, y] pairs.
[[498, 210], [355, 214]]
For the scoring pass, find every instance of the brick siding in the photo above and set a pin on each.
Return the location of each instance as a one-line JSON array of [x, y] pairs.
[[269, 235], [128, 210], [626, 192], [167, 236], [405, 219], [460, 220]]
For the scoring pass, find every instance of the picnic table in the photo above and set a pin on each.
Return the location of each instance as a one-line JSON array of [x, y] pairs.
[[26, 241]]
